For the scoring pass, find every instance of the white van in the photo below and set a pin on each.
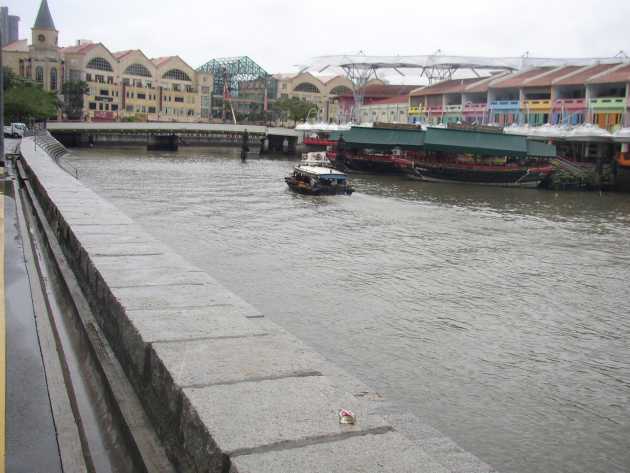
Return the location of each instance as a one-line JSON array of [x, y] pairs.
[[15, 130]]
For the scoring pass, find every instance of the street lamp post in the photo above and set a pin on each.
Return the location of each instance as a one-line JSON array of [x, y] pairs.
[[308, 115], [1, 104]]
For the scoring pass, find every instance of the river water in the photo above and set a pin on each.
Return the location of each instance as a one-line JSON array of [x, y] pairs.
[[501, 317]]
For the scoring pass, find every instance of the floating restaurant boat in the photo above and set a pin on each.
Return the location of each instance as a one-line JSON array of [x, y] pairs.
[[482, 155], [493, 172], [316, 176]]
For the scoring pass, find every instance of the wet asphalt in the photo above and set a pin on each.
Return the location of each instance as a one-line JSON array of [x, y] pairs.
[[31, 441]]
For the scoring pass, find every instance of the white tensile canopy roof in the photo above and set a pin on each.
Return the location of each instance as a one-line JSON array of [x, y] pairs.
[[322, 126], [419, 63], [585, 132]]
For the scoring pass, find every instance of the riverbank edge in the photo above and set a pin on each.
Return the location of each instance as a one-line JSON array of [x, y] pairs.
[[226, 389]]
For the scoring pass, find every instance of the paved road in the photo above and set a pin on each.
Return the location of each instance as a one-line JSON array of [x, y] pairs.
[[31, 441]]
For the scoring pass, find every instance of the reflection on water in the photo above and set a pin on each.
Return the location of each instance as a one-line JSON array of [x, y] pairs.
[[499, 316]]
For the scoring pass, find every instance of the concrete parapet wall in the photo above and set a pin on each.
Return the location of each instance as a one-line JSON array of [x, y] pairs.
[[226, 389]]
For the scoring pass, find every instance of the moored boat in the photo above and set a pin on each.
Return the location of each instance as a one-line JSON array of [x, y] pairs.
[[508, 174], [474, 155], [369, 161]]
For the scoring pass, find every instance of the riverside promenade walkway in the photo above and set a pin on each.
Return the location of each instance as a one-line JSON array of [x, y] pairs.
[[225, 388]]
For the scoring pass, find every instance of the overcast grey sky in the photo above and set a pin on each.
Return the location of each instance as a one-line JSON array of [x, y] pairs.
[[281, 33]]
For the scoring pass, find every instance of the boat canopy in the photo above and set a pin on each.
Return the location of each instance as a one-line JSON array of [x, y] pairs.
[[446, 139], [321, 172]]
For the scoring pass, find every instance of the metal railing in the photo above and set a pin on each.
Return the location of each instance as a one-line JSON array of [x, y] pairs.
[[45, 141]]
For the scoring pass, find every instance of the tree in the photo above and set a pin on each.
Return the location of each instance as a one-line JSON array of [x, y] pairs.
[[25, 101], [297, 109], [74, 92], [9, 78]]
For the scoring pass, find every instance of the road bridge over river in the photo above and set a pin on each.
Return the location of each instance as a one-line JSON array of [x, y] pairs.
[[76, 134]]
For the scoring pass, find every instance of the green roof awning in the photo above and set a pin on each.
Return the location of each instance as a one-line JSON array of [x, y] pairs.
[[381, 137], [538, 149], [444, 139]]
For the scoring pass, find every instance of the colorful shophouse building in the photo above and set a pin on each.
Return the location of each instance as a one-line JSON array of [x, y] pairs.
[[568, 94]]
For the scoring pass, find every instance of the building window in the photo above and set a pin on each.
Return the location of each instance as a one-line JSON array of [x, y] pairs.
[[179, 99], [53, 79], [39, 74], [110, 80], [100, 79], [137, 70], [341, 90], [177, 74], [126, 81], [114, 107], [151, 109], [130, 108], [92, 105], [142, 96], [22, 67], [99, 64], [104, 92], [306, 87], [88, 77]]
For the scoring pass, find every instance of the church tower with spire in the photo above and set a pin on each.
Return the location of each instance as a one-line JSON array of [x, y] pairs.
[[45, 64], [44, 34]]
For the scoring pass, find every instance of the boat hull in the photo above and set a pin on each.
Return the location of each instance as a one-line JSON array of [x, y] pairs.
[[305, 189], [368, 165], [521, 177]]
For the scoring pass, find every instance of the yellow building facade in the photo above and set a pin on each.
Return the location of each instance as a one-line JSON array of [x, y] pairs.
[[322, 91], [122, 85]]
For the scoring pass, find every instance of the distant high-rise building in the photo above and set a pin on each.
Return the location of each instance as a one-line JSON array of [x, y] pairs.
[[9, 25]]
